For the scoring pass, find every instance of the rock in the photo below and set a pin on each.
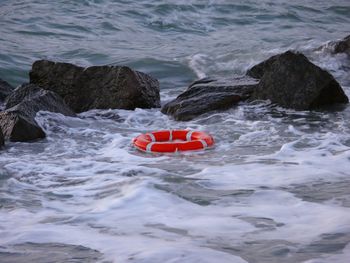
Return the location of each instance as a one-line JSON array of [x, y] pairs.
[[208, 95], [336, 47], [290, 80], [342, 46], [97, 87], [2, 140], [31, 98], [18, 120], [258, 70], [5, 89], [18, 127]]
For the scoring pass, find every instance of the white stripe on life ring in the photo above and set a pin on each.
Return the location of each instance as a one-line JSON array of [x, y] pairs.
[[189, 135], [205, 145], [171, 135], [152, 137], [149, 146]]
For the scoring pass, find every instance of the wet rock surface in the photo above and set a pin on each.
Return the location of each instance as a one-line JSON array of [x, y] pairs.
[[290, 80], [97, 87], [208, 95], [18, 119]]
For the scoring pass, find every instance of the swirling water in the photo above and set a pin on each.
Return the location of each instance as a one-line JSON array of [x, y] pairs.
[[276, 188]]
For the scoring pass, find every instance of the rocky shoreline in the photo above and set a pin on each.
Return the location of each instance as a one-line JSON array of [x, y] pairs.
[[288, 80]]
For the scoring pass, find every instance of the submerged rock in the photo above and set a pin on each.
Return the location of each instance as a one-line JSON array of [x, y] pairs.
[[5, 90], [208, 95], [18, 120], [290, 80], [97, 87], [343, 46], [49, 252], [336, 47]]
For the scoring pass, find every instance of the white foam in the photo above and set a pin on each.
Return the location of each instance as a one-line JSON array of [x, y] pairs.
[[198, 63]]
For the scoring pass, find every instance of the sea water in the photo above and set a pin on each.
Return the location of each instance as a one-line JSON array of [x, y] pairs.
[[275, 188]]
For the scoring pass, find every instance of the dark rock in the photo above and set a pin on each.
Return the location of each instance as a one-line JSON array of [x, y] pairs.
[[258, 70], [342, 46], [19, 128], [336, 47], [18, 120], [290, 80], [5, 89], [2, 139], [98, 87], [208, 95], [31, 98]]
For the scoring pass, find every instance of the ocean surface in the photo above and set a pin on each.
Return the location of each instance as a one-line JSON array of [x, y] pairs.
[[275, 188]]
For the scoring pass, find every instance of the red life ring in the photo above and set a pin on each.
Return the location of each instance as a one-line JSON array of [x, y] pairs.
[[173, 141]]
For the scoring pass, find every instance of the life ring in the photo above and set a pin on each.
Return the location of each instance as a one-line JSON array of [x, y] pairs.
[[173, 141]]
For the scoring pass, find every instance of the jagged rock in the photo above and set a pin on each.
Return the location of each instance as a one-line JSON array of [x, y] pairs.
[[34, 98], [18, 127], [5, 89], [18, 120], [292, 81], [208, 95], [97, 87]]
